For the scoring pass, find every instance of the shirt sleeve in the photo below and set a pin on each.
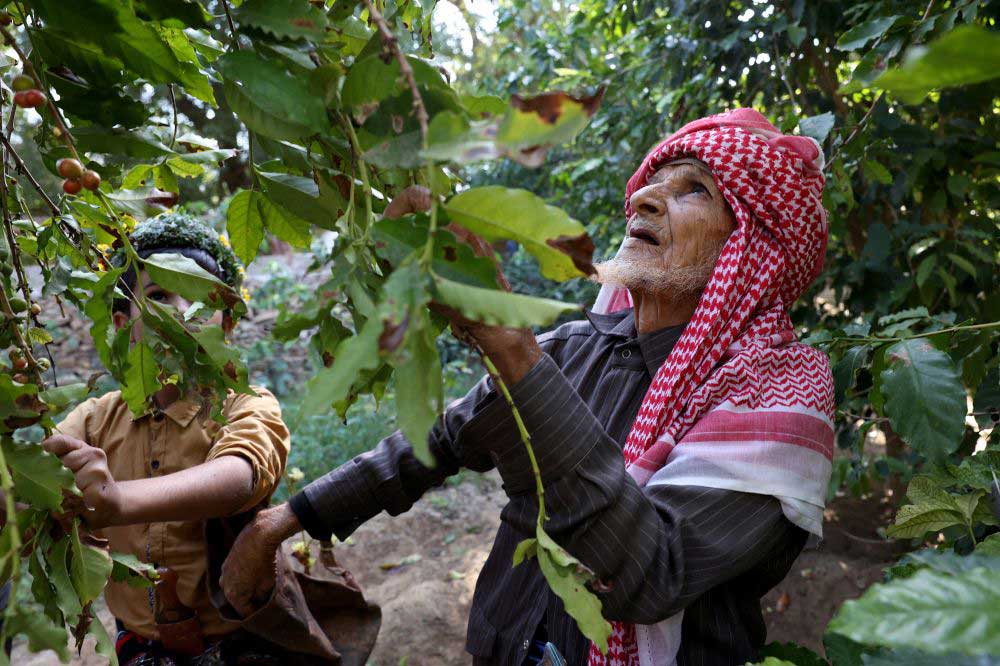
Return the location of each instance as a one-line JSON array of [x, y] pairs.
[[255, 432], [76, 422], [656, 549]]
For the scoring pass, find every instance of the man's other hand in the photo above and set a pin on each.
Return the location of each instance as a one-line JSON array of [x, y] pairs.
[[250, 569], [89, 465]]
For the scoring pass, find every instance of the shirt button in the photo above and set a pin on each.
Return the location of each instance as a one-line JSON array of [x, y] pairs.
[[155, 464], [526, 644], [626, 353], [158, 417]]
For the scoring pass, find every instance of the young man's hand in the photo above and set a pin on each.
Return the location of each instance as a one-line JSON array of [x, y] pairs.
[[89, 465], [248, 574]]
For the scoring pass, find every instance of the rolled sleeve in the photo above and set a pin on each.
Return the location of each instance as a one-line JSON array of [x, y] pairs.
[[255, 431]]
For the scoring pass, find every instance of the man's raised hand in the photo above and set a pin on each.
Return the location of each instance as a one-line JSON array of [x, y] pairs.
[[89, 465]]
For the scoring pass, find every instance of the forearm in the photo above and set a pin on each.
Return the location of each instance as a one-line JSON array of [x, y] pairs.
[[219, 487], [390, 478]]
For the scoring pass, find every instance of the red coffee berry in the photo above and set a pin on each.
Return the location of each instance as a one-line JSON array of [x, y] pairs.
[[69, 168], [21, 99], [91, 180], [35, 98], [20, 364], [6, 19], [22, 82], [72, 186]]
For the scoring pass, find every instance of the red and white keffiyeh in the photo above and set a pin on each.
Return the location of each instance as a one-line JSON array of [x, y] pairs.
[[739, 404]]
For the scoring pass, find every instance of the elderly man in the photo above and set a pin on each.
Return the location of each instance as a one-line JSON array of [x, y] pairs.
[[683, 436]]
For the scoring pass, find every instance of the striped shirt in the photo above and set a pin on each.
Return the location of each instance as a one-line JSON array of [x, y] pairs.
[[661, 549]]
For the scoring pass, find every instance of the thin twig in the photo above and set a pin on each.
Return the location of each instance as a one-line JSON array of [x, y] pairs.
[[857, 128], [23, 169], [392, 44], [173, 103], [784, 78]]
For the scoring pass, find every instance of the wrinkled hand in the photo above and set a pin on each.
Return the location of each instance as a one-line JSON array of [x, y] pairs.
[[98, 488], [251, 568]]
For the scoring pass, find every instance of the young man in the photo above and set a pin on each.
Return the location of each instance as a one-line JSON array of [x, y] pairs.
[[151, 482]]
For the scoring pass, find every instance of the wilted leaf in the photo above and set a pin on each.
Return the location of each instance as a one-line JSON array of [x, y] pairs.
[[547, 119], [500, 213]]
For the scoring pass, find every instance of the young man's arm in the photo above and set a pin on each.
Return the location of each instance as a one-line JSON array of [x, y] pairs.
[[219, 487]]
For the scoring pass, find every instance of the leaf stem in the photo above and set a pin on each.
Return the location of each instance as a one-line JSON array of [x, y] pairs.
[[525, 437], [927, 334]]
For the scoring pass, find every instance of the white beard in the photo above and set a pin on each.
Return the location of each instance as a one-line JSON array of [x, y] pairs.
[[658, 280]]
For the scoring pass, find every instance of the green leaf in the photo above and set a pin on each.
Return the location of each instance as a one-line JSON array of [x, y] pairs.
[[352, 356], [39, 478], [950, 562], [418, 383], [964, 264], [925, 401], [103, 644], [932, 510], [525, 550], [989, 546], [817, 127], [89, 569], [145, 51], [90, 62], [268, 99], [930, 611], [303, 198], [141, 378], [285, 19], [187, 12], [841, 650], [565, 576], [500, 213], [42, 632], [876, 172], [860, 35], [95, 139], [966, 55], [245, 225], [181, 275], [846, 370], [371, 80], [127, 568], [283, 224], [495, 307], [60, 397], [56, 565]]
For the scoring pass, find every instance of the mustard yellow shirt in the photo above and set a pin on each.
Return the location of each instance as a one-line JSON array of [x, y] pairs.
[[182, 436]]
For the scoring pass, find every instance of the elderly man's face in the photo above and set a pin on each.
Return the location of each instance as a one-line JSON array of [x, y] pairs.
[[680, 223]]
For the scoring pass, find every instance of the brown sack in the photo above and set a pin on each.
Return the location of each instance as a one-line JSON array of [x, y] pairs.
[[322, 617]]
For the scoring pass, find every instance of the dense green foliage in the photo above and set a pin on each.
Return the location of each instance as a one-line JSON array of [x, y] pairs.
[[305, 118]]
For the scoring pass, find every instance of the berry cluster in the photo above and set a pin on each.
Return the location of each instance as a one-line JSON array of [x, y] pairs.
[[76, 176], [26, 95]]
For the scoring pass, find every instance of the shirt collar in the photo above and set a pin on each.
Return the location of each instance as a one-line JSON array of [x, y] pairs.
[[655, 345], [181, 412], [620, 324]]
